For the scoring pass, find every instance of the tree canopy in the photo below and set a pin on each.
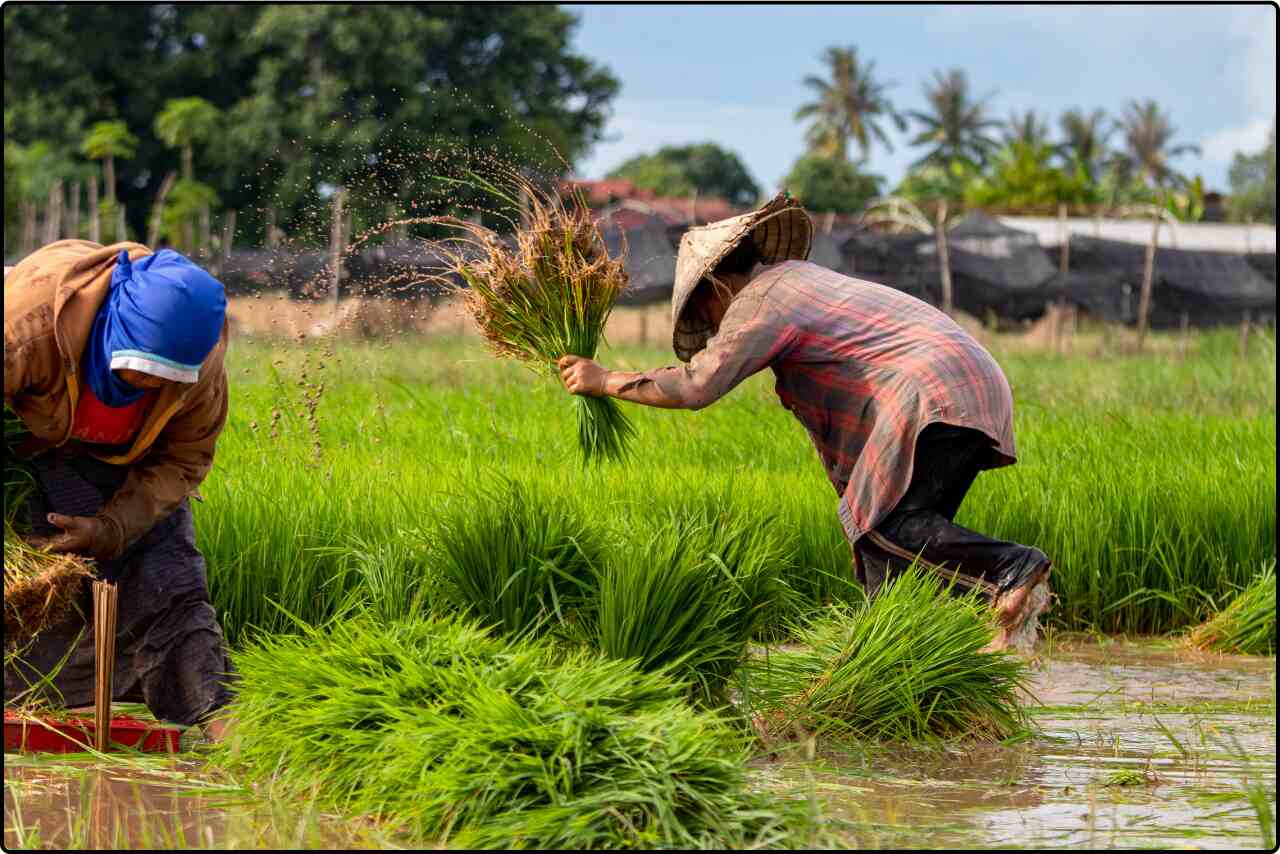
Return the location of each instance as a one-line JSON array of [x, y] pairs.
[[309, 95], [1253, 183], [682, 169], [829, 184]]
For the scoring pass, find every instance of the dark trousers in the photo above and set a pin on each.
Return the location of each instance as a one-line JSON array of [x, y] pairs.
[[169, 646], [947, 459]]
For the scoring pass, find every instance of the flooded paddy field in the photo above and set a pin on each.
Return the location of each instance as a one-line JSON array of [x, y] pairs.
[[1137, 744]]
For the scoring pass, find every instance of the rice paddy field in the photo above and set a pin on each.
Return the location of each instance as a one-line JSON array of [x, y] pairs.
[[375, 503]]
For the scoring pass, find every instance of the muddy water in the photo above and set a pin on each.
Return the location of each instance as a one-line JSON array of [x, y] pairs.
[[1137, 745]]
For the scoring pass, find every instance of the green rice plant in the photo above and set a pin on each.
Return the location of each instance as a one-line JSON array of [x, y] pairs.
[[514, 558], [689, 597], [470, 740], [549, 296], [906, 666], [1248, 624]]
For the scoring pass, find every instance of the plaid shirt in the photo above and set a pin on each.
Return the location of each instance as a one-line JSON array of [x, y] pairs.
[[864, 367]]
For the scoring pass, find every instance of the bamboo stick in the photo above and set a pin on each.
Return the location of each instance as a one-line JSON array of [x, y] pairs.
[[73, 215], [1182, 339], [944, 263], [122, 229], [228, 237], [335, 252], [1066, 238], [104, 648], [1148, 272], [53, 214], [95, 225]]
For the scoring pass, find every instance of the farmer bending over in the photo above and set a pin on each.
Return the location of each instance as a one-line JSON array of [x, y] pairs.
[[113, 361], [903, 406]]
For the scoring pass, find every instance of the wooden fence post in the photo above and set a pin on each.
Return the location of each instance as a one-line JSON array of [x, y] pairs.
[[95, 224], [1148, 272], [121, 224], [28, 228], [206, 234], [228, 236], [335, 251], [73, 213], [272, 238], [53, 214], [1244, 335], [1066, 238], [1185, 325], [944, 264]]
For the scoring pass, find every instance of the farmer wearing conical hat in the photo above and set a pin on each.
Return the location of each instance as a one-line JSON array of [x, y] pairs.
[[903, 406], [113, 361]]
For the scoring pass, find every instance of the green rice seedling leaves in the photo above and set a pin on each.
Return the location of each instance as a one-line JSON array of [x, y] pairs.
[[515, 559], [549, 296], [905, 666], [691, 596], [1248, 624], [468, 739]]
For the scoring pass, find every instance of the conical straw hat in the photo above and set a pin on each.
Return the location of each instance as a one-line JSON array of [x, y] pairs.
[[782, 232]]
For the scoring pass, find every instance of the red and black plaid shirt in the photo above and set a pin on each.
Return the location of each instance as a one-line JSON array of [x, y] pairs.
[[864, 367]]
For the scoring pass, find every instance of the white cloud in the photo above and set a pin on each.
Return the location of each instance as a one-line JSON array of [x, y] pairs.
[[1221, 146]]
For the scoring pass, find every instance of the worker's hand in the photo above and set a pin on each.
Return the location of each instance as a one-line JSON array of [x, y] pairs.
[[582, 376], [80, 534]]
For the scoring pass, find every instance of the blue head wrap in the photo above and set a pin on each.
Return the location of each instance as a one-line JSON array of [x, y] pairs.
[[162, 316]]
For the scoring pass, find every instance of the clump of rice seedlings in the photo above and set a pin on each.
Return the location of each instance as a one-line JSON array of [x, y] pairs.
[[470, 740], [1248, 624], [39, 588], [548, 295], [905, 666], [690, 597], [515, 560]]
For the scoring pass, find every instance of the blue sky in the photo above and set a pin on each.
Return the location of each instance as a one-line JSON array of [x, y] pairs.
[[732, 74]]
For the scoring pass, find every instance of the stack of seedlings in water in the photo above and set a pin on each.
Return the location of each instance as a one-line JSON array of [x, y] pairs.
[[1248, 624], [515, 561], [690, 597], [548, 296], [39, 588], [906, 666], [466, 739]]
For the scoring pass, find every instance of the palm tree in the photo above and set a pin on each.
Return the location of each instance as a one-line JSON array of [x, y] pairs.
[[1147, 149], [847, 107], [956, 124], [184, 122], [106, 141], [1085, 138], [1026, 128]]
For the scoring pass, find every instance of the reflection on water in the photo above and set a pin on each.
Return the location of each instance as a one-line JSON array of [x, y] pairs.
[[1137, 745]]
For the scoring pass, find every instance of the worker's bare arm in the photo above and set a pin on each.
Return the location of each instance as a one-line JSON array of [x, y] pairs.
[[583, 376]]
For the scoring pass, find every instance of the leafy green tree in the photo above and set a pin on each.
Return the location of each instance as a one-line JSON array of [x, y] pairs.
[[831, 184], [932, 181], [1253, 183], [679, 170], [1085, 137], [1148, 146], [1023, 177], [1027, 128], [849, 106], [107, 141], [955, 126], [185, 202], [184, 122]]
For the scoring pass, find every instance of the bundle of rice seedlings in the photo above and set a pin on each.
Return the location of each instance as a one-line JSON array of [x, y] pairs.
[[39, 588], [1248, 624], [514, 560], [468, 740], [548, 295], [690, 597], [905, 666]]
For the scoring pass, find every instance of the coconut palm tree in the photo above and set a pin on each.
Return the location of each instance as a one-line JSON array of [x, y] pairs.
[[955, 127], [184, 122], [1085, 137], [106, 141], [1147, 149], [849, 106], [1026, 128]]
